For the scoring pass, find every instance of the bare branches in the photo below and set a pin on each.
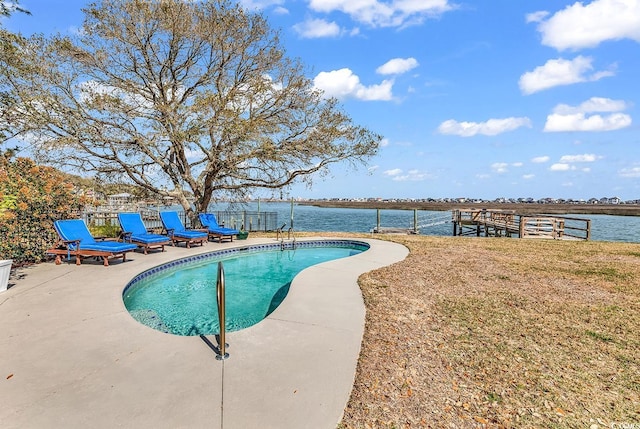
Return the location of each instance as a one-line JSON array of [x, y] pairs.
[[9, 7]]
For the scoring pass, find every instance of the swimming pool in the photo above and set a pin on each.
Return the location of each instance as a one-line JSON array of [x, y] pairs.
[[180, 297]]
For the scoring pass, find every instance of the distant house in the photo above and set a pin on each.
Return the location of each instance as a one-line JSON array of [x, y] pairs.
[[614, 200], [119, 200]]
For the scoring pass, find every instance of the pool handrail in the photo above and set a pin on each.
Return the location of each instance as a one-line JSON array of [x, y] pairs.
[[222, 354]]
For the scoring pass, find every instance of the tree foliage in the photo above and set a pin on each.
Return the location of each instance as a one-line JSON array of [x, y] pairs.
[[183, 99], [31, 198], [7, 8]]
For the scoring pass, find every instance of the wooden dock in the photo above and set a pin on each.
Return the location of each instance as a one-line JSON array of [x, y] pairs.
[[508, 223]]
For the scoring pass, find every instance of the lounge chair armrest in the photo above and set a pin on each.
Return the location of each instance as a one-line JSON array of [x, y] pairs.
[[170, 231], [65, 243], [70, 241], [126, 236], [100, 238]]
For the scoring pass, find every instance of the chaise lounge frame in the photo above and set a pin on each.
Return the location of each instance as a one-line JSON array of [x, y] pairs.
[[146, 241], [184, 235], [62, 248], [216, 231], [72, 247]]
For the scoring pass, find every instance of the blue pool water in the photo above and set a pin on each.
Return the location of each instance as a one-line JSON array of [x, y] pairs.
[[180, 297]]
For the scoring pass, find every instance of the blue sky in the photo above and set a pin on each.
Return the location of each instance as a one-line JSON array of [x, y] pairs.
[[479, 99]]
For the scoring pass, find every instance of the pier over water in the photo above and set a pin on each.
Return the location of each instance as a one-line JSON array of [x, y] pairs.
[[508, 223]]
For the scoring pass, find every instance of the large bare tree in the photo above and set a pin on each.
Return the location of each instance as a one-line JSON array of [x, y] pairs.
[[184, 99]]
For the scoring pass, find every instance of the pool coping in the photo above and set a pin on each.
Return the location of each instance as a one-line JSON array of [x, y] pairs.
[[74, 357]]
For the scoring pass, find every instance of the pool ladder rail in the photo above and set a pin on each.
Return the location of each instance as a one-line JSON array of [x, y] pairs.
[[220, 294], [290, 244]]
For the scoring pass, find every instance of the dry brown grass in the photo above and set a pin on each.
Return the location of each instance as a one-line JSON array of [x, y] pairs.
[[496, 332]]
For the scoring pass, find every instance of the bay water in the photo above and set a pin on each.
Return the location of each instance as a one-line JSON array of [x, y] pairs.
[[324, 219]]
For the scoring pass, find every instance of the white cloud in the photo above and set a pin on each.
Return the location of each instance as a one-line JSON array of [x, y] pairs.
[[502, 167], [528, 176], [581, 122], [560, 167], [76, 31], [577, 118], [384, 142], [377, 13], [92, 91], [344, 84], [281, 10], [587, 157], [540, 159], [491, 127], [194, 153], [536, 16], [260, 4], [631, 173], [566, 162], [499, 167], [316, 28], [594, 104], [397, 66], [380, 92], [586, 26], [392, 173], [398, 175], [560, 72]]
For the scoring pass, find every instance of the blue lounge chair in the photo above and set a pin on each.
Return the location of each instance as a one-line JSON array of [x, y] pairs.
[[134, 231], [209, 221], [76, 239], [178, 233]]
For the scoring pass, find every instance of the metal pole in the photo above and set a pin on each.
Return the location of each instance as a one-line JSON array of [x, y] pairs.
[[454, 221], [291, 225], [377, 220], [259, 217], [222, 354]]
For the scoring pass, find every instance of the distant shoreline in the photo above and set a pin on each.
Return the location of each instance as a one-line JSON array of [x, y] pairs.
[[519, 208]]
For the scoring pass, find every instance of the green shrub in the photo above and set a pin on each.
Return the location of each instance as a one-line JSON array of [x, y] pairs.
[[109, 230], [31, 198]]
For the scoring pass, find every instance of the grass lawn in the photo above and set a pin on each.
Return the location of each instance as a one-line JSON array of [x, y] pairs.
[[500, 332]]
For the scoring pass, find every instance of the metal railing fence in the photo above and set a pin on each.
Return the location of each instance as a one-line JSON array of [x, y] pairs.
[[242, 219]]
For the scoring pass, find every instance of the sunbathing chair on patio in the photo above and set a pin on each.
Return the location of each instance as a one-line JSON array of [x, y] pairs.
[[178, 233], [134, 231], [76, 239], [209, 221]]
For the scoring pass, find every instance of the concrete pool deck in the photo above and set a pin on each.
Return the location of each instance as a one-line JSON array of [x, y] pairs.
[[72, 356]]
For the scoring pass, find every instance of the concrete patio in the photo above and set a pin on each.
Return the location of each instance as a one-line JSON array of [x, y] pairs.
[[73, 357]]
